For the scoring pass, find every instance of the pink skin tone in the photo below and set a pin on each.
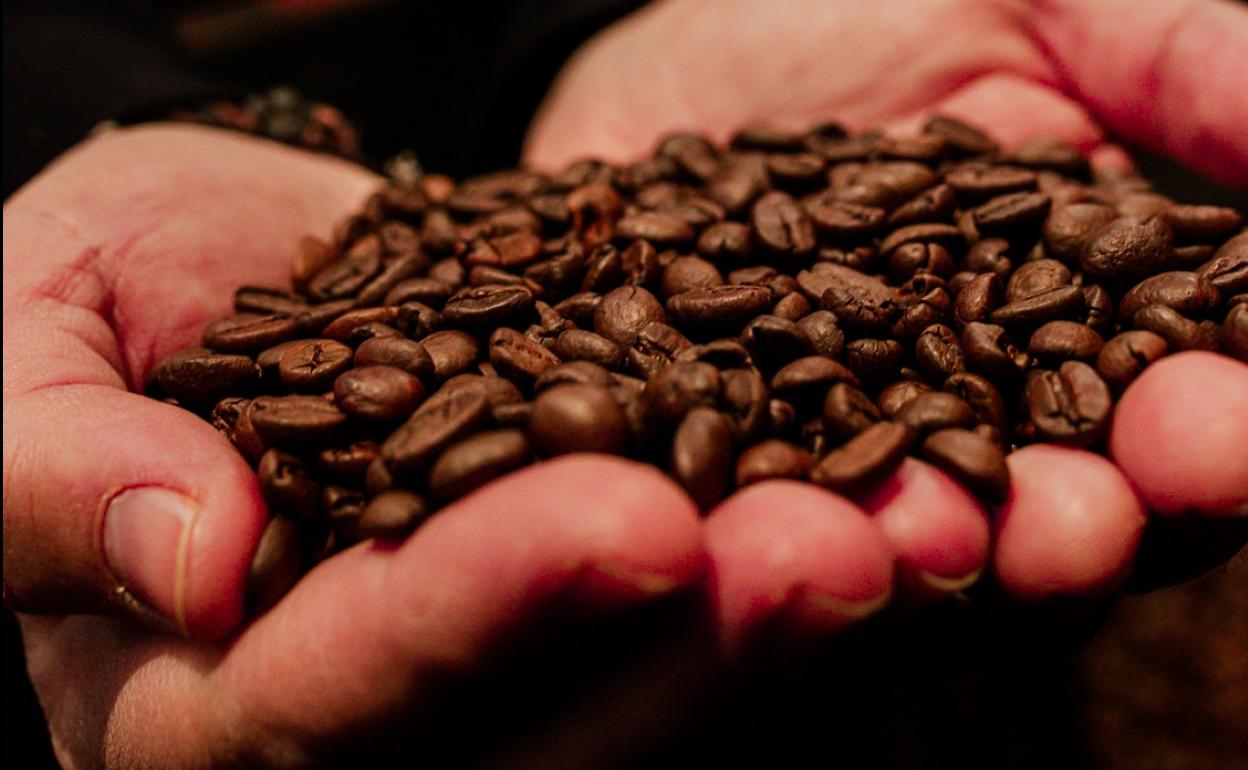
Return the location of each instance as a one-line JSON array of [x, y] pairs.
[[130, 243]]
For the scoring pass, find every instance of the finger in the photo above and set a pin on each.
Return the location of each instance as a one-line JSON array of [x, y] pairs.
[[793, 548], [369, 634], [1167, 74], [126, 504], [937, 530], [1180, 434], [1070, 527]]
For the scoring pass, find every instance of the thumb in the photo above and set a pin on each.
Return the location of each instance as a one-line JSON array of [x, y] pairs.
[[114, 502], [1168, 74]]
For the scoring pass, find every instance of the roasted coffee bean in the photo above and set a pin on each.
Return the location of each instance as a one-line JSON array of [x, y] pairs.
[[349, 463], [518, 357], [860, 303], [1012, 213], [928, 412], [425, 290], [931, 205], [988, 350], [654, 347], [297, 422], [990, 255], [487, 307], [865, 460], [721, 354], [452, 353], [821, 329], [687, 273], [807, 379], [960, 137], [721, 309], [939, 353], [972, 459], [1034, 278], [928, 232], [276, 565], [931, 308], [1098, 309], [1128, 247], [288, 485], [249, 332], [656, 227], [623, 312], [875, 361], [378, 393], [1070, 228], [445, 417], [477, 460], [917, 258], [847, 411], [773, 459], [398, 352], [389, 515], [579, 372], [1179, 332], [342, 328], [347, 275], [793, 307], [263, 300], [782, 227], [1202, 224], [774, 342], [980, 182], [1228, 270], [1069, 406], [977, 300], [199, 378], [745, 399], [841, 220], [1235, 332], [1053, 154], [311, 366], [1126, 355], [577, 418], [1052, 305], [725, 242], [580, 345], [1059, 341], [702, 457], [680, 387], [894, 397], [1189, 293]]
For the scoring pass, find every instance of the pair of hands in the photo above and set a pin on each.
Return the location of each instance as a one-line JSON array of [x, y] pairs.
[[124, 248]]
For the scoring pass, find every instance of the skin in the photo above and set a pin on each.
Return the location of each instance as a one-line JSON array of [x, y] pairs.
[[122, 250]]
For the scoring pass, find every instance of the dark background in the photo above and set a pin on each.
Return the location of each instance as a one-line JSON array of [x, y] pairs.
[[1164, 684]]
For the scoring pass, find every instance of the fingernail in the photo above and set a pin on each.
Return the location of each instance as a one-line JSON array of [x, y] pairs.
[[146, 535], [641, 581], [948, 585], [842, 609]]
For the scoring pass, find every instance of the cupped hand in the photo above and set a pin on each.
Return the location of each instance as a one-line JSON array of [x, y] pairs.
[[118, 504], [1165, 75]]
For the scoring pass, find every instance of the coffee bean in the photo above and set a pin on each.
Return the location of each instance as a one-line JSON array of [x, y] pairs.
[[311, 366], [1128, 247], [1070, 228], [702, 458], [894, 397], [1189, 293], [199, 378], [680, 387], [972, 459], [864, 460], [1202, 224], [577, 418], [1235, 332], [264, 300], [979, 182], [962, 138], [579, 372], [486, 307], [1126, 355], [860, 303], [939, 353], [452, 352], [807, 379], [518, 357], [425, 290], [1069, 406], [977, 300], [1228, 270], [927, 232], [445, 416], [774, 342], [347, 464], [249, 332], [721, 354], [772, 459], [929, 412], [623, 312], [1034, 278], [288, 485], [1179, 332], [1059, 341], [297, 422], [378, 393], [719, 309], [275, 566], [389, 515], [841, 220], [580, 345], [398, 352], [656, 227], [781, 227], [477, 460], [1012, 213], [345, 276], [654, 347], [1051, 305], [847, 411], [687, 273], [875, 361]]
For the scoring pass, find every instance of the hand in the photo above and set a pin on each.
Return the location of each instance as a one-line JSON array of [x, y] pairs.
[[119, 254], [1165, 74]]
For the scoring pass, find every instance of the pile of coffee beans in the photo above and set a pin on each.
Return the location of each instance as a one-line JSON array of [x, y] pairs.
[[808, 306]]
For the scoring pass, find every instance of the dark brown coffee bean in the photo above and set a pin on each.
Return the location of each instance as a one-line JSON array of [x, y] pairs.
[[1235, 332], [781, 227], [1067, 302], [378, 393], [821, 329], [390, 515], [1189, 293], [745, 399], [841, 220], [655, 346], [773, 459], [865, 460], [346, 276], [807, 379], [577, 418], [288, 485], [875, 361], [1179, 332], [886, 184], [658, 228], [297, 422], [702, 457], [1059, 341], [928, 412], [425, 290], [774, 342], [722, 309], [311, 366], [931, 205], [1202, 224], [443, 418], [847, 411], [476, 461], [721, 354], [580, 345], [249, 332], [725, 242], [960, 138], [977, 300], [916, 315], [275, 566], [1012, 213], [398, 352], [928, 232], [377, 289], [680, 387], [1126, 355], [487, 307], [347, 464], [939, 353], [981, 395], [793, 307], [623, 312], [199, 378], [860, 303], [979, 182], [796, 171], [1098, 312], [1070, 228], [1069, 406], [916, 258], [311, 255], [264, 300], [687, 273], [894, 397], [577, 372], [518, 357], [988, 350], [973, 460], [1128, 247], [1228, 270], [1034, 278], [452, 353]]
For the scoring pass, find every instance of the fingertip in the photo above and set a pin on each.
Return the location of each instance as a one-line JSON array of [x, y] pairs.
[[1070, 527], [1180, 434]]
